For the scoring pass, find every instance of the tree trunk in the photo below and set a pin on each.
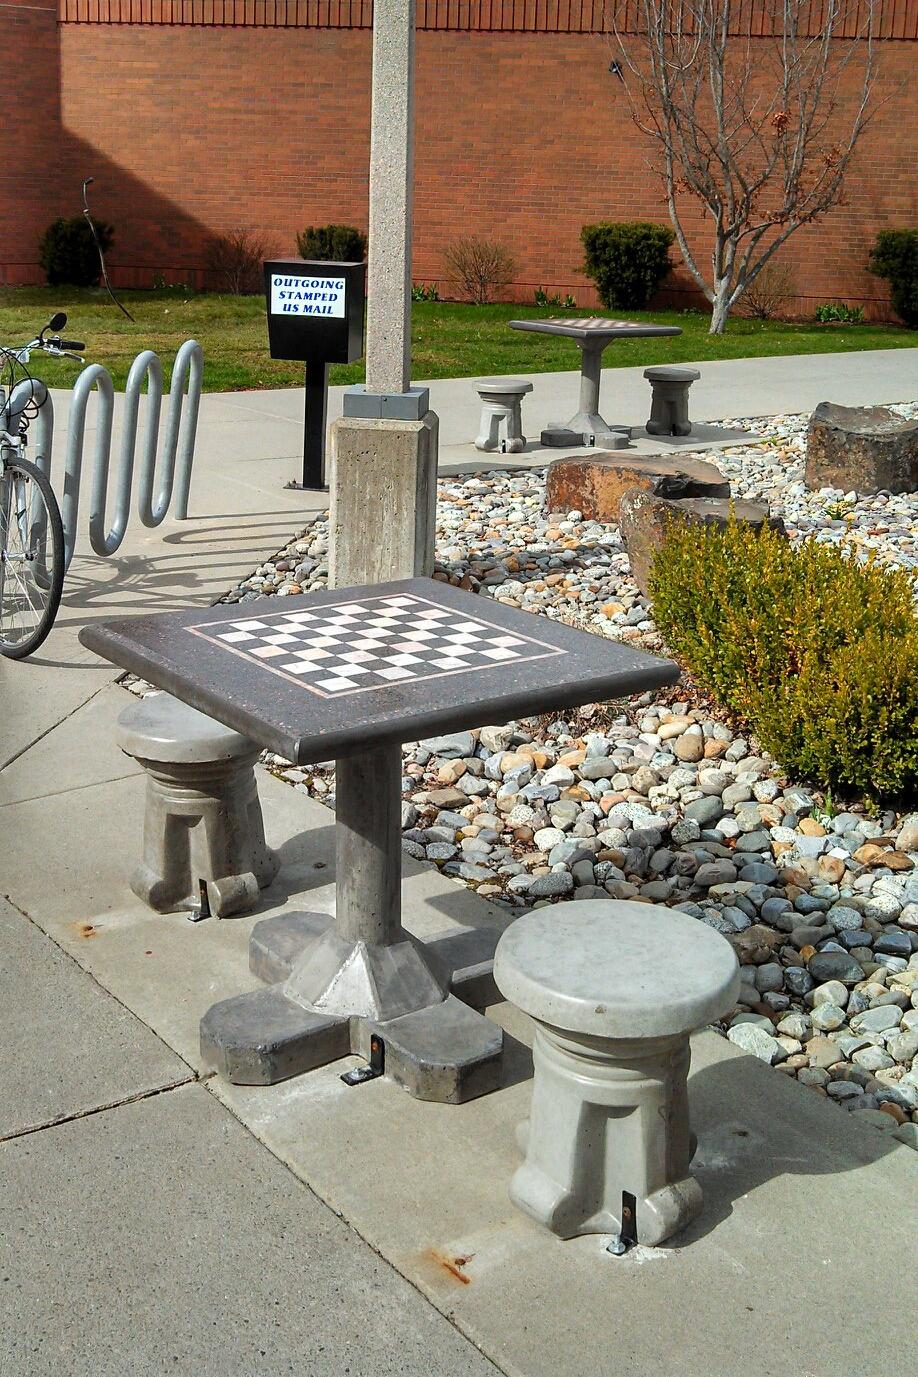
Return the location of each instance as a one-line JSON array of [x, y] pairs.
[[720, 307]]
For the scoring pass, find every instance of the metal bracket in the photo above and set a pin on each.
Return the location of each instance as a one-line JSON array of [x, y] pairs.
[[627, 1236], [374, 1068], [202, 907]]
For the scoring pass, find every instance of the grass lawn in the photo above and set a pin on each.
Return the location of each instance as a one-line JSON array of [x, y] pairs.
[[450, 340]]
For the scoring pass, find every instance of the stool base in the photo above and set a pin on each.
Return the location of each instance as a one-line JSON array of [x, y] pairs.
[[607, 1116], [203, 823]]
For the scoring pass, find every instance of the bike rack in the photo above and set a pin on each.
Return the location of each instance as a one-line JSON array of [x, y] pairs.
[[177, 456]]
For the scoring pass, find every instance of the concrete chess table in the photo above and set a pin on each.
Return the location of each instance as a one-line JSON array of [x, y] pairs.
[[352, 673], [593, 334]]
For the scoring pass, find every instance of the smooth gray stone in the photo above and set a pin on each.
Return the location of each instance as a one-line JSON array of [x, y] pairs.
[[835, 966], [616, 969]]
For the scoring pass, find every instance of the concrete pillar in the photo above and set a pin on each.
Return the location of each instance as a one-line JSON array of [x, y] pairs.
[[383, 500], [391, 158]]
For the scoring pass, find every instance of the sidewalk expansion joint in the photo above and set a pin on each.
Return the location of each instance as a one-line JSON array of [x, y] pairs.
[[100, 1109]]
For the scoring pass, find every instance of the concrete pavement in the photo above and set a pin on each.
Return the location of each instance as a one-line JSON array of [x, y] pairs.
[[154, 1219]]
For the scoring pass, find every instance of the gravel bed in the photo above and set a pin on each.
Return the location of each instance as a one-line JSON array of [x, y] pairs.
[[665, 800]]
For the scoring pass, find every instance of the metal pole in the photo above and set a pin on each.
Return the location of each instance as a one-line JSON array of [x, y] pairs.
[[316, 403], [391, 155]]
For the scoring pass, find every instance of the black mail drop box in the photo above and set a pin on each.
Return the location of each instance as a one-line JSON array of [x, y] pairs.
[[315, 310]]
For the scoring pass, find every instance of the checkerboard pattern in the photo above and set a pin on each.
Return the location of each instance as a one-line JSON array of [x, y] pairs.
[[352, 647]]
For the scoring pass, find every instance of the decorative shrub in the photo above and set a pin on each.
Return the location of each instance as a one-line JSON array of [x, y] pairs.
[[628, 260], [542, 298], [235, 260], [482, 266], [837, 313], [332, 243], [895, 257], [67, 251], [420, 291], [817, 652], [767, 292]]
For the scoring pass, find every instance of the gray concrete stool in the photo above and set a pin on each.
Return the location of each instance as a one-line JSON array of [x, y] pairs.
[[614, 990], [501, 402], [202, 820], [669, 402]]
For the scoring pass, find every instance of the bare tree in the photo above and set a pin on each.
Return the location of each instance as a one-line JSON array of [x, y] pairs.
[[755, 129]]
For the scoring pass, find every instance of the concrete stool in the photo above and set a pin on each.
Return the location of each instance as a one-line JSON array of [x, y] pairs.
[[669, 402], [614, 990], [501, 400], [202, 820]]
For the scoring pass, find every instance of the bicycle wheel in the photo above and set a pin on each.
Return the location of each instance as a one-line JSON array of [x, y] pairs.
[[31, 558]]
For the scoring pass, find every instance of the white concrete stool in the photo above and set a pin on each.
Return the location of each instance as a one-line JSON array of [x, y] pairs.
[[202, 820], [614, 990], [501, 402], [669, 400]]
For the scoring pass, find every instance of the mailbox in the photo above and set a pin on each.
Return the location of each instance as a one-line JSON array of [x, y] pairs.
[[315, 310], [315, 313]]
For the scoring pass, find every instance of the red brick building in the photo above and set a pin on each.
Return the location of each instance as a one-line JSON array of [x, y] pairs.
[[200, 116]]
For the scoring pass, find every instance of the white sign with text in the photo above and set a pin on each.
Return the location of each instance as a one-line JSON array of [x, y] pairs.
[[307, 296]]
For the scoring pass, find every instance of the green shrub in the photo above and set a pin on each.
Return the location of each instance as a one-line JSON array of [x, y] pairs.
[[895, 257], [332, 244], [816, 652], [420, 291], [67, 251], [837, 313], [627, 260]]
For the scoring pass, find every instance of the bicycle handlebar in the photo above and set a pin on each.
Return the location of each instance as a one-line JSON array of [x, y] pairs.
[[76, 344]]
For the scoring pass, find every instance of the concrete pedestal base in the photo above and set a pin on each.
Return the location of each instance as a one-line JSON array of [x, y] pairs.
[[607, 1117], [333, 983], [409, 993], [202, 820], [391, 534]]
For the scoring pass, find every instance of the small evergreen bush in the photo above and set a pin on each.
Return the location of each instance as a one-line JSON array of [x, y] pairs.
[[67, 251], [817, 652], [895, 257], [332, 244], [628, 260]]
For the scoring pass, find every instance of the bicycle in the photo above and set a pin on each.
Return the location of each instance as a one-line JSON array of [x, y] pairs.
[[31, 533]]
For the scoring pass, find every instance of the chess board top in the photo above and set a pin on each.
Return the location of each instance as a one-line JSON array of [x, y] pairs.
[[337, 671], [588, 327]]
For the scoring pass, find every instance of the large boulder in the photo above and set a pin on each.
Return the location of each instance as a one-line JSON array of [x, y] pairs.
[[861, 449], [594, 483], [645, 518]]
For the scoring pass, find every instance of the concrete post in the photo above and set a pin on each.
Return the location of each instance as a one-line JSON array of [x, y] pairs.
[[385, 447], [391, 156]]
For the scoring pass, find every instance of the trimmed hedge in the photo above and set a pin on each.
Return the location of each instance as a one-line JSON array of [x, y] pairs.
[[817, 652], [628, 260], [332, 244], [895, 257], [67, 251]]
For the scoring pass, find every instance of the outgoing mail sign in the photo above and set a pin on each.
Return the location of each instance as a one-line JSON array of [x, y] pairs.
[[307, 296], [315, 310]]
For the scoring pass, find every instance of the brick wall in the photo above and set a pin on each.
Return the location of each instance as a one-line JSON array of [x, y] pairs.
[[194, 126], [30, 139]]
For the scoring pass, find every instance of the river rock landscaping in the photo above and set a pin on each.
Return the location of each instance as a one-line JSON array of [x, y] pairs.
[[665, 800]]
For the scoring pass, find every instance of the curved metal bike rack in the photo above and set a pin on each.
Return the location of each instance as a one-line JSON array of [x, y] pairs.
[[177, 454]]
